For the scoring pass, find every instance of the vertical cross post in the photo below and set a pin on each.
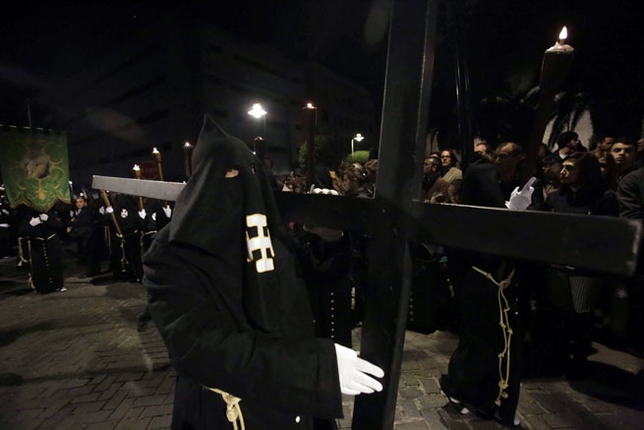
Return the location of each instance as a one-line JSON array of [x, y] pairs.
[[410, 63]]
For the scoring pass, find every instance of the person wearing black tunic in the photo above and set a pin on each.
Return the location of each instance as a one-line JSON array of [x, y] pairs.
[[483, 372], [236, 320], [125, 247], [42, 232], [81, 229]]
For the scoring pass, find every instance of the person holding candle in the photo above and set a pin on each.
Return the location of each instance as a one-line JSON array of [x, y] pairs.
[[125, 247]]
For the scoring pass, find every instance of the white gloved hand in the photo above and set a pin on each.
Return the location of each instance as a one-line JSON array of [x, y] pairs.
[[71, 214], [354, 373], [520, 200], [142, 213], [109, 209], [43, 217], [324, 191], [101, 210], [167, 210], [154, 216], [34, 221]]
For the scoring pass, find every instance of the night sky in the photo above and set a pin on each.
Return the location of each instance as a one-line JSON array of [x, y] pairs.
[[506, 39]]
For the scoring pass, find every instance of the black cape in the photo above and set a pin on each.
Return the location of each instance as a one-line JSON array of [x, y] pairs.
[[225, 297]]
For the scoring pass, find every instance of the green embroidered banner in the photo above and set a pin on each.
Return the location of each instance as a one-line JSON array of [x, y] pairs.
[[34, 167]]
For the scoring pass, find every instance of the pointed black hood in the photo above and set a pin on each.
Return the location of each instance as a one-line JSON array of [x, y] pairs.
[[234, 222]]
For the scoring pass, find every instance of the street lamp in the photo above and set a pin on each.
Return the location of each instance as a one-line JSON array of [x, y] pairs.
[[357, 137], [258, 112]]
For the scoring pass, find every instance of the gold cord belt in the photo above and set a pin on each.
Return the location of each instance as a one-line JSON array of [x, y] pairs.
[[233, 411], [504, 322]]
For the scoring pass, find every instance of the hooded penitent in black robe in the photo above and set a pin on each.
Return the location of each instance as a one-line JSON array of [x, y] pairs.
[[224, 295], [476, 368], [44, 249]]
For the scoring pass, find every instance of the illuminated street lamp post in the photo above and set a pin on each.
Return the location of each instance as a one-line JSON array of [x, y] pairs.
[[258, 112], [358, 137]]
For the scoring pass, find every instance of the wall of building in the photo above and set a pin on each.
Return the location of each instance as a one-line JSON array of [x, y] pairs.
[[155, 90]]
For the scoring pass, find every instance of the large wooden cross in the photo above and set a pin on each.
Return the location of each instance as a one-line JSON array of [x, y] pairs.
[[393, 217]]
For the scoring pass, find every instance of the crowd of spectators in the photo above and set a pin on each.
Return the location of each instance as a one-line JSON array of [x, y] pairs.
[[560, 311]]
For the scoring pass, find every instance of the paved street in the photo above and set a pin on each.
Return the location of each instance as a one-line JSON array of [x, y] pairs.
[[75, 360]]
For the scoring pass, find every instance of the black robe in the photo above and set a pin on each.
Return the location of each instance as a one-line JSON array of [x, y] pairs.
[[45, 250], [125, 249], [224, 295], [473, 372]]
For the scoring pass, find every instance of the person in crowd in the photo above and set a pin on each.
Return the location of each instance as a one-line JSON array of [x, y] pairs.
[[568, 143], [371, 173], [484, 371], [509, 158], [542, 151], [43, 230], [432, 182], [603, 143], [449, 171], [295, 182], [639, 159], [549, 182], [626, 326], [623, 151], [236, 319], [353, 181], [80, 229], [583, 191], [608, 167], [484, 149]]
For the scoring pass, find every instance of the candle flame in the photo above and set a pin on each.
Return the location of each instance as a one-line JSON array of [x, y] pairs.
[[187, 145], [309, 106], [154, 150], [136, 167], [563, 35]]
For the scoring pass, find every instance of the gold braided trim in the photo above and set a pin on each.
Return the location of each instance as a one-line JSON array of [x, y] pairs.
[[504, 322], [233, 411]]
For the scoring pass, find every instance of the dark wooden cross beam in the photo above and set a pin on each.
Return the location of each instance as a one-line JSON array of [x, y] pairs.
[[393, 217]]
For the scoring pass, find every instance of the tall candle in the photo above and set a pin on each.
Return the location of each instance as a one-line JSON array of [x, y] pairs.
[[157, 159], [137, 173], [156, 154], [187, 159], [556, 62]]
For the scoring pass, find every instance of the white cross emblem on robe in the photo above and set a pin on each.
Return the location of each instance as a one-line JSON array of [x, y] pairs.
[[261, 242]]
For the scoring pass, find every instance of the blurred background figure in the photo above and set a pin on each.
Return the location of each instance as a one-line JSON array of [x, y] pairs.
[[42, 231], [449, 171]]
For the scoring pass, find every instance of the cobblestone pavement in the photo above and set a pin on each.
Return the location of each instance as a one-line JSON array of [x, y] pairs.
[[75, 360]]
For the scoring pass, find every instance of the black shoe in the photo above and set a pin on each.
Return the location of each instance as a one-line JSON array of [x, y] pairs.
[[514, 422], [452, 397]]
